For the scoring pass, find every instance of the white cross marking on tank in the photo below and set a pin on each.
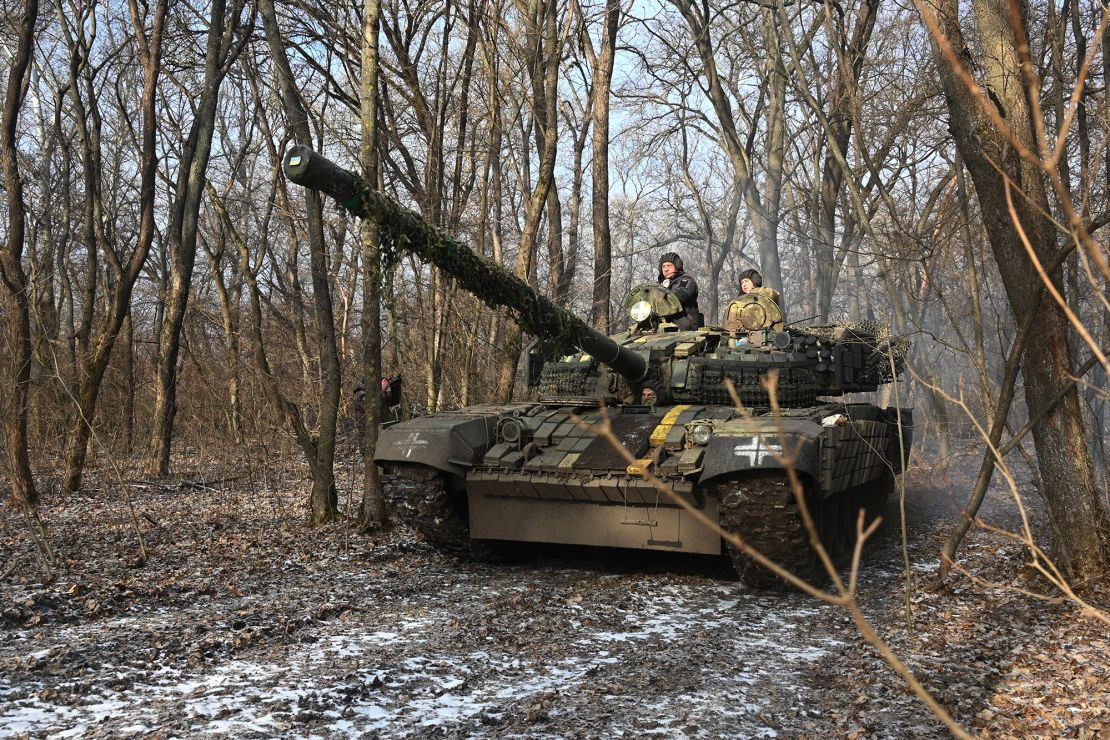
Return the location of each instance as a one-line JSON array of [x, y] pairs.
[[755, 450], [414, 441]]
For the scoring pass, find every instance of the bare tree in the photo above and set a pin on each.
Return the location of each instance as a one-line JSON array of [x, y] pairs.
[[763, 208], [319, 448], [424, 97], [1010, 182], [223, 46], [372, 511], [95, 352], [489, 227], [838, 118], [544, 46], [16, 371]]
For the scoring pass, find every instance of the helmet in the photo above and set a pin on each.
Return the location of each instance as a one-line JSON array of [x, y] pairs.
[[673, 259], [753, 275]]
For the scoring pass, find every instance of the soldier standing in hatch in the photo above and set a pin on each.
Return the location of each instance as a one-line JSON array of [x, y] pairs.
[[752, 282], [684, 287]]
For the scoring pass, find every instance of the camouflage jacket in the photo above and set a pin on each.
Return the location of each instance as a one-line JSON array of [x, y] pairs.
[[768, 292]]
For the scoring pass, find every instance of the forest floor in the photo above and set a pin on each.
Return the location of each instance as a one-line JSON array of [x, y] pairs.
[[243, 621]]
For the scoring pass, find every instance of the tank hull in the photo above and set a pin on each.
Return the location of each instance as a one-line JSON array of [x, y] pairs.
[[536, 472]]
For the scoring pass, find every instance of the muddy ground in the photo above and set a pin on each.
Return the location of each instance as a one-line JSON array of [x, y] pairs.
[[242, 621]]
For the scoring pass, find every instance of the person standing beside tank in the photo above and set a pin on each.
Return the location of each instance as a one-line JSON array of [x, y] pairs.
[[685, 288]]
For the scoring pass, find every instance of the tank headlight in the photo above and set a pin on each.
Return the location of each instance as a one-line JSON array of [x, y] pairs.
[[640, 311], [700, 434]]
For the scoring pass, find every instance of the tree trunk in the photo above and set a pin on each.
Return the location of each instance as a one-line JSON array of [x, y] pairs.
[[230, 300], [372, 509], [556, 259], [765, 210], [15, 299], [603, 243], [547, 48], [574, 230], [849, 65], [129, 381], [319, 449], [182, 230]]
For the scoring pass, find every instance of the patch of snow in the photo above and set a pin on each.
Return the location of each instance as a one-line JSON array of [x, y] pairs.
[[363, 678]]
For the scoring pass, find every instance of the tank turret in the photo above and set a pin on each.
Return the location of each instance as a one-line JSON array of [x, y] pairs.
[[533, 471]]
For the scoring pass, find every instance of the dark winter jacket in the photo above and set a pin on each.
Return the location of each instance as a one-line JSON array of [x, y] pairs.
[[685, 288]]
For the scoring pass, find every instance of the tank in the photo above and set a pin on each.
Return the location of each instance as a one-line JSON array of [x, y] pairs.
[[693, 408]]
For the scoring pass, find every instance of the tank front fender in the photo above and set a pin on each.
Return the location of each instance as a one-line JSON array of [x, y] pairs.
[[730, 453], [451, 442]]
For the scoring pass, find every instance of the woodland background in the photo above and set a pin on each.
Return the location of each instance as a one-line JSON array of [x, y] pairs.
[[166, 292]]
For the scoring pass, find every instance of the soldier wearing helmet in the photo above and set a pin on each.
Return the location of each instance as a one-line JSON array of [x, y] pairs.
[[684, 287], [752, 282]]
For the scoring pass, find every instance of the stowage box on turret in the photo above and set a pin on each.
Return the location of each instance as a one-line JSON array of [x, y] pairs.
[[538, 471]]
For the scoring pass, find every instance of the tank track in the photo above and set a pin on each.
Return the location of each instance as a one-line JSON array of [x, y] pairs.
[[419, 496], [422, 498], [764, 512]]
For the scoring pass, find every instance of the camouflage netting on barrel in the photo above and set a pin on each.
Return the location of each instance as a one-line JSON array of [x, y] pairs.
[[402, 231], [887, 356]]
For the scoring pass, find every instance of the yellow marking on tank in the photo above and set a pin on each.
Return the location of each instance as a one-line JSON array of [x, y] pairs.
[[659, 434], [569, 461], [640, 466]]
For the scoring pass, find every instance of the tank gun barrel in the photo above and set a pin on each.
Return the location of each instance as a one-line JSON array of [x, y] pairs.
[[403, 230]]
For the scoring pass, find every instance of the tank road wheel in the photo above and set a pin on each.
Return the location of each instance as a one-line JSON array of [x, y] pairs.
[[422, 497]]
